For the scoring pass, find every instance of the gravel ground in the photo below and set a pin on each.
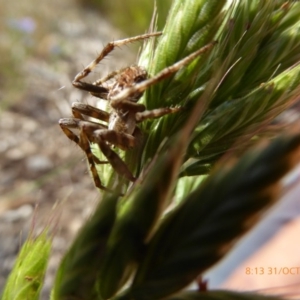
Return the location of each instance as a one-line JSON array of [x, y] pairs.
[[40, 167]]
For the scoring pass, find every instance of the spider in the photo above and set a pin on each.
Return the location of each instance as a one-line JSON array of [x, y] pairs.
[[122, 89]]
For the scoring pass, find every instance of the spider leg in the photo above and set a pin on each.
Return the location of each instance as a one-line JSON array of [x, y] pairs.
[[73, 123], [155, 113], [67, 124], [80, 109], [90, 132], [95, 88], [167, 72], [121, 140], [107, 77], [85, 146], [83, 142], [101, 137], [127, 105], [99, 82]]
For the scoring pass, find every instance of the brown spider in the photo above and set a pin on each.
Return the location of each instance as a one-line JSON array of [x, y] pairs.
[[122, 89]]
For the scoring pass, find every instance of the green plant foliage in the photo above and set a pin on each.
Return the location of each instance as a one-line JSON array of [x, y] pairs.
[[26, 279], [197, 233]]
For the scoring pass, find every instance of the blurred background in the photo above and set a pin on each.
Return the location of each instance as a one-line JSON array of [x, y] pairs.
[[43, 45], [43, 175]]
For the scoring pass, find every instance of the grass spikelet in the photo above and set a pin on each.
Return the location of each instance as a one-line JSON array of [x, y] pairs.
[[254, 64], [201, 229], [26, 279]]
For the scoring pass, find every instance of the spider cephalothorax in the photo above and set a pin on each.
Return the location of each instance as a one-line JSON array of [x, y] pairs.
[[122, 89], [128, 78]]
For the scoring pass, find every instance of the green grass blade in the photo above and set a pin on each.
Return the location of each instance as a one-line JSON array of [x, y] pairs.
[[26, 279]]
